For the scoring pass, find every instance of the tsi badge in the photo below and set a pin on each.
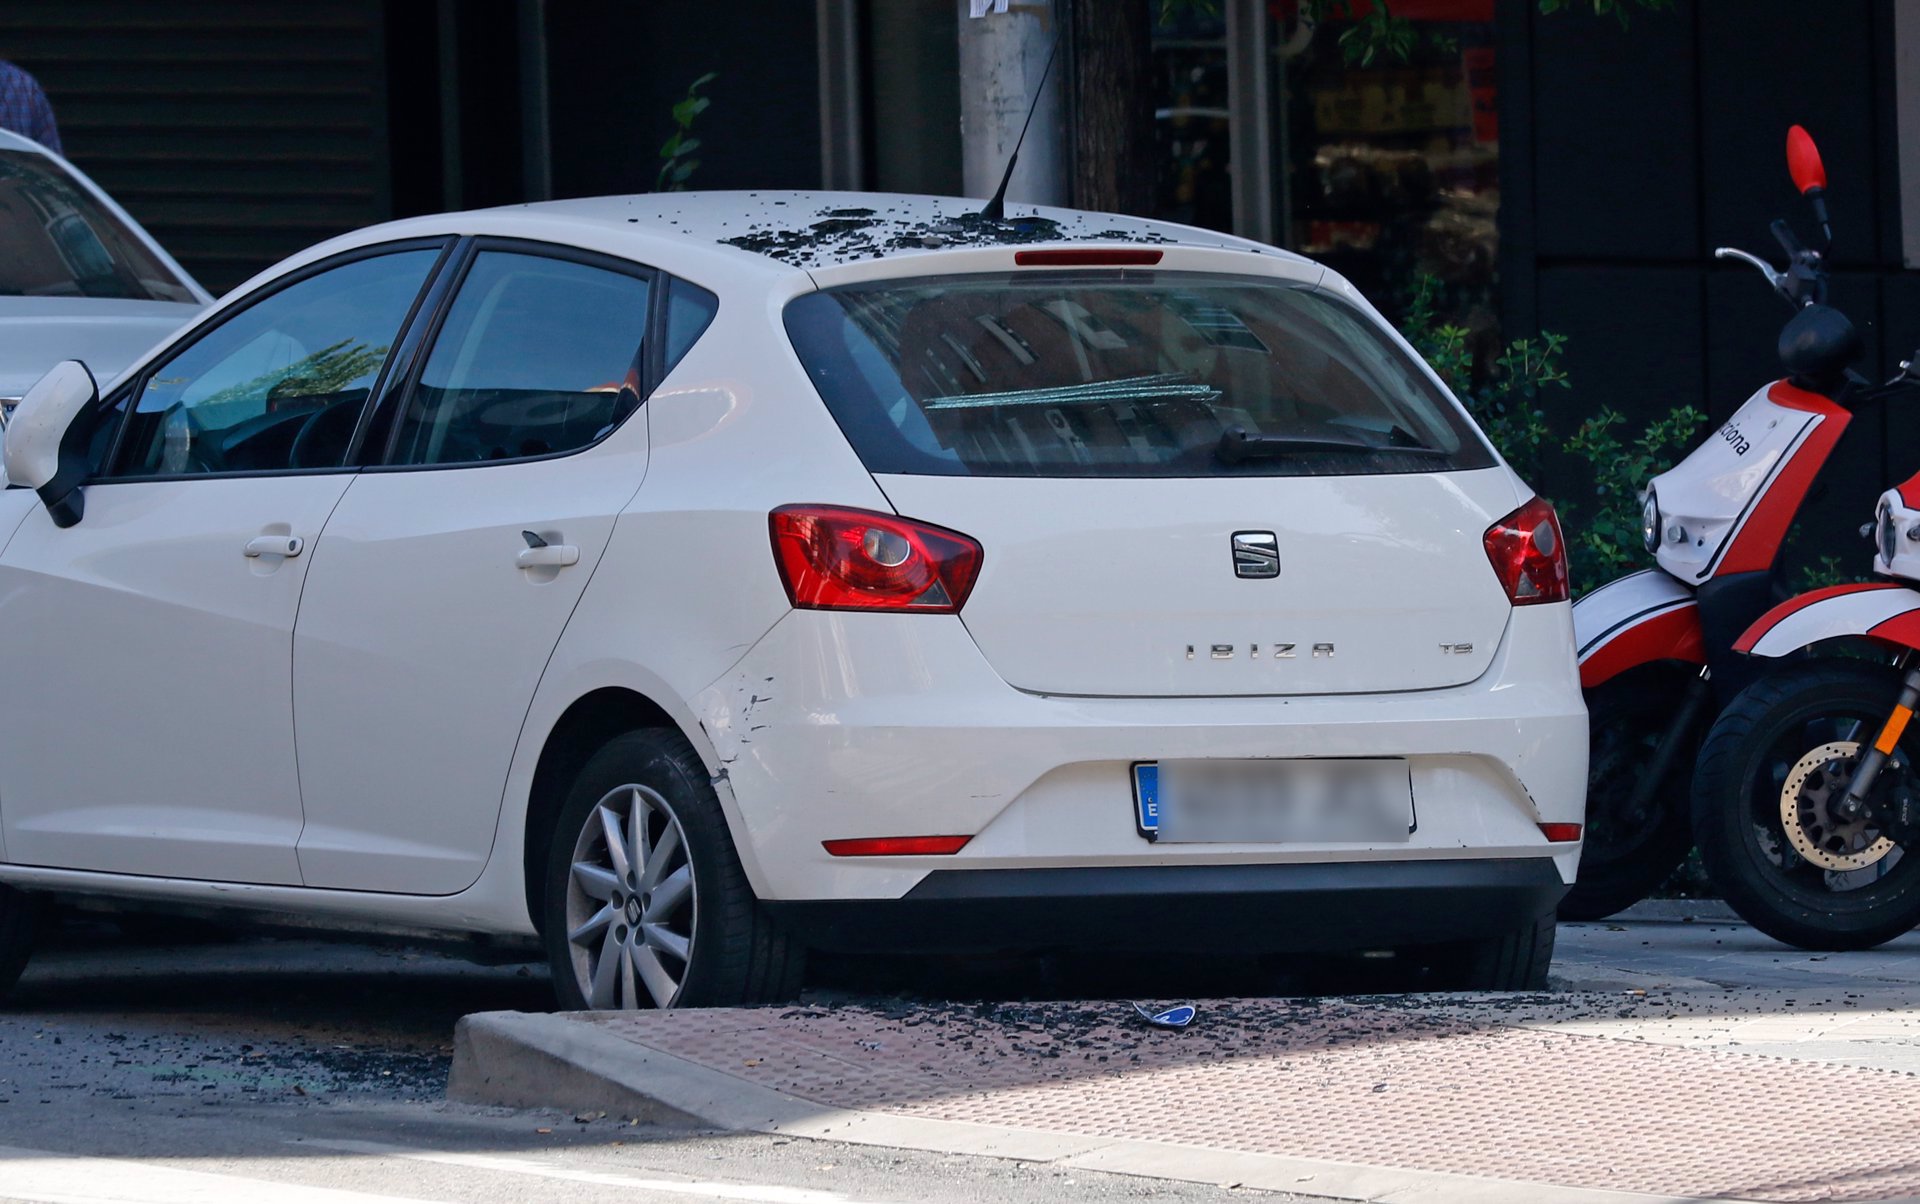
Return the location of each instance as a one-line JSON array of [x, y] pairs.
[[1256, 554]]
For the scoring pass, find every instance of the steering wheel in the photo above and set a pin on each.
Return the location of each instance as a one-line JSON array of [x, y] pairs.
[[324, 436]]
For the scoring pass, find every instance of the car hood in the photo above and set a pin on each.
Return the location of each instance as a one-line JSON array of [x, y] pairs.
[[38, 332]]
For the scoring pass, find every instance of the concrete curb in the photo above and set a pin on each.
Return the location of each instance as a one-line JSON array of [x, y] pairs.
[[518, 1059]]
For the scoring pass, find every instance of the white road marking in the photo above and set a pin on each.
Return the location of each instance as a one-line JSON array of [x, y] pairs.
[[49, 1178], [758, 1194]]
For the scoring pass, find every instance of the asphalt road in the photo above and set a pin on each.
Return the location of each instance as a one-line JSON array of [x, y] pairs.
[[262, 1068], [269, 1069]]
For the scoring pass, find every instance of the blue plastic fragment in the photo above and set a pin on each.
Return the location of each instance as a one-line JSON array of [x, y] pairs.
[[1173, 1017]]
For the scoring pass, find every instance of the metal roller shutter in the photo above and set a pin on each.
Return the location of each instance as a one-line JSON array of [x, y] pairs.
[[237, 131]]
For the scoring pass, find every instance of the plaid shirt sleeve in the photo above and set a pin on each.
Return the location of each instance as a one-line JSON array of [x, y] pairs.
[[24, 108]]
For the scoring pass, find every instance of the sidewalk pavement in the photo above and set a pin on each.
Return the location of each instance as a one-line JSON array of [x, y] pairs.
[[1726, 1067]]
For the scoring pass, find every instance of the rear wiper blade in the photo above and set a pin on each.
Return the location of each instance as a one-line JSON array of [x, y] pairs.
[[1238, 445]]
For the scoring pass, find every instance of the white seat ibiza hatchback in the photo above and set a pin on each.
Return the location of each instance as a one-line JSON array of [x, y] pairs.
[[695, 580]]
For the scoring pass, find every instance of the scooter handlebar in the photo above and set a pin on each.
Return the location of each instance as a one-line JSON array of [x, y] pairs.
[[1777, 279]]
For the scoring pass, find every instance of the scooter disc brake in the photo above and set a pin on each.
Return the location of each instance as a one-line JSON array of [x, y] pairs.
[[1817, 780]]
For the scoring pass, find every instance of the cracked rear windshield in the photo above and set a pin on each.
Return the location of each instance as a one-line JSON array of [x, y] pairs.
[[1121, 374], [57, 240]]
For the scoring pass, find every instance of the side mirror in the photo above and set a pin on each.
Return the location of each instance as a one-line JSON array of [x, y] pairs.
[[1809, 176], [45, 448], [1803, 161]]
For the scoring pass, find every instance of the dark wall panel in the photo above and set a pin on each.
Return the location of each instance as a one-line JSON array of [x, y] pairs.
[[616, 67], [1615, 136], [1900, 295], [1633, 339], [236, 132], [1766, 65]]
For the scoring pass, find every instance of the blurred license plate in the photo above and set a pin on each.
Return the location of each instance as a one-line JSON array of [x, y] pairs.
[[1306, 801]]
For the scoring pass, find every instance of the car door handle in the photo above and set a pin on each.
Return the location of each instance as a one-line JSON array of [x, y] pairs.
[[273, 545], [548, 555]]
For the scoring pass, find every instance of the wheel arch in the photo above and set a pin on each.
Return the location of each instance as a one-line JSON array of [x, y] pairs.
[[588, 722]]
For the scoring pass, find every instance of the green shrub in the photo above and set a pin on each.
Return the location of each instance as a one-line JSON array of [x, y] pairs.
[[677, 163]]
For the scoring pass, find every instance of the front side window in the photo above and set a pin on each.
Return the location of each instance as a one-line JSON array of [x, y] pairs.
[[57, 240], [538, 356], [281, 384], [1121, 374]]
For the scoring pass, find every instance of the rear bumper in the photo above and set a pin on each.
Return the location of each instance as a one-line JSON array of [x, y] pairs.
[[1302, 908], [838, 726]]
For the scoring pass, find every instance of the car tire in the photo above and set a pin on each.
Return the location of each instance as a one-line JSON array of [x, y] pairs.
[[1515, 960], [17, 915], [1625, 858], [1768, 888], [664, 919]]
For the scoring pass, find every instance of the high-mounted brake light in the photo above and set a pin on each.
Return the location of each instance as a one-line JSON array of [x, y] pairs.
[[837, 558], [896, 846], [1088, 257], [1529, 555]]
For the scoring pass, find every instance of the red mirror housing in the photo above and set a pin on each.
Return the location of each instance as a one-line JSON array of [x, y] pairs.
[[1803, 160]]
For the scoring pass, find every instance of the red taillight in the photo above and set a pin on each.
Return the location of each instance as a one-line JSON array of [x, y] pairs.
[[1560, 833], [1529, 555], [896, 846], [832, 558]]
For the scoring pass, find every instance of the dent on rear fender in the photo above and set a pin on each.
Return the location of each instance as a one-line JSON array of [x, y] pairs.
[[731, 711]]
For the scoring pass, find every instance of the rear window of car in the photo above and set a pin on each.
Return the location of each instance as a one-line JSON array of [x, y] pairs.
[[1121, 374], [57, 240]]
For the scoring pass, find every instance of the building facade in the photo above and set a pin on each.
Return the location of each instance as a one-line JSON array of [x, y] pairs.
[[1554, 173]]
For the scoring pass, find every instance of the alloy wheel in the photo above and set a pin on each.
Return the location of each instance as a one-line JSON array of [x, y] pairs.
[[631, 911]]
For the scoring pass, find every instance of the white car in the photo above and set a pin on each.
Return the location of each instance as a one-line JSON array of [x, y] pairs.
[[699, 579], [79, 278]]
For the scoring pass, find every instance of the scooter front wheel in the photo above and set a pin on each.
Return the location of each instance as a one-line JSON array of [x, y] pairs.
[[1764, 809], [1630, 848]]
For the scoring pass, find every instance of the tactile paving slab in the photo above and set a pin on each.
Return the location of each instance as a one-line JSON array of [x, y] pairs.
[[1343, 1080]]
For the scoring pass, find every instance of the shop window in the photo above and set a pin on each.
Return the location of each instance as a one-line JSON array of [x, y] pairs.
[[1386, 172], [1191, 115], [1392, 168]]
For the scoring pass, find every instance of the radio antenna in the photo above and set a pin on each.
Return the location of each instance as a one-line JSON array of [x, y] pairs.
[[996, 210]]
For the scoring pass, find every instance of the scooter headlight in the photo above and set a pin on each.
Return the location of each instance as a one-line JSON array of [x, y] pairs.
[[1888, 534], [1650, 520]]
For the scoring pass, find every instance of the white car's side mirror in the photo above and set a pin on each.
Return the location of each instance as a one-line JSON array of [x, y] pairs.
[[45, 448]]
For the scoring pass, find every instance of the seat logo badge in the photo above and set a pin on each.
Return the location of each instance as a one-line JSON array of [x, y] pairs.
[[1256, 554]]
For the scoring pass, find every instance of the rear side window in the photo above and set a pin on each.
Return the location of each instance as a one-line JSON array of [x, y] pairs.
[[1121, 374], [690, 310], [537, 357]]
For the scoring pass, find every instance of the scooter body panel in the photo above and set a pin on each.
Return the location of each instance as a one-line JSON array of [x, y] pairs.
[[1883, 611], [1636, 620], [1727, 506]]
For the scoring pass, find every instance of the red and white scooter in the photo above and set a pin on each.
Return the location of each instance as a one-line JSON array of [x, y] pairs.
[[1656, 647], [1806, 800]]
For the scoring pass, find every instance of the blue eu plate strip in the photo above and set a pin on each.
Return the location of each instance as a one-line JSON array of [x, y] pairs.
[[1146, 797]]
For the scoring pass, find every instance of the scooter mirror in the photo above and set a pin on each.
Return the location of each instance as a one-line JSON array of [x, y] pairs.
[[1803, 161]]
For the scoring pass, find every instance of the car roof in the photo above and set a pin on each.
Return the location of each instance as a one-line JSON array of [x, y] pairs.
[[12, 141], [815, 229]]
